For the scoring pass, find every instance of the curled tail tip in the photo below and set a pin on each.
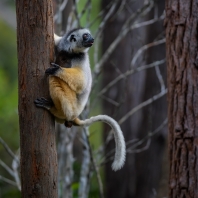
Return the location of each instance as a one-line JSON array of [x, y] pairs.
[[117, 165]]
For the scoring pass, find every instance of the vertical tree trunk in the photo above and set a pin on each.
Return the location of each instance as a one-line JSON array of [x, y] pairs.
[[182, 61], [37, 133]]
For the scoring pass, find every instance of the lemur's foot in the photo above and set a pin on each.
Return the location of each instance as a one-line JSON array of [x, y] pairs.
[[68, 124], [52, 70], [44, 103]]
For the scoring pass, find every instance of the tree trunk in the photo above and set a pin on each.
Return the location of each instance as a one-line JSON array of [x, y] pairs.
[[182, 61], [37, 133]]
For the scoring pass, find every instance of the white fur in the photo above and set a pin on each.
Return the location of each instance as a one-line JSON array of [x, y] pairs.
[[77, 47], [120, 151]]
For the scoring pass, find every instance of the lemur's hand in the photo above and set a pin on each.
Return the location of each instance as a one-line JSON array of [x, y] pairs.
[[52, 70]]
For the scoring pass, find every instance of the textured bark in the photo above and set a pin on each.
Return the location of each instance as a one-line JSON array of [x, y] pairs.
[[37, 133], [182, 61]]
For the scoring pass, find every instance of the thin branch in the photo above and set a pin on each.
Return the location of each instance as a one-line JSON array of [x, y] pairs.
[[7, 168], [96, 50], [8, 149], [75, 10], [8, 181], [146, 23], [146, 147], [110, 101], [100, 14], [65, 159], [145, 47], [132, 149], [86, 7], [15, 167], [148, 136], [85, 167], [96, 169], [128, 73], [122, 34], [106, 18], [160, 78], [143, 104], [57, 16]]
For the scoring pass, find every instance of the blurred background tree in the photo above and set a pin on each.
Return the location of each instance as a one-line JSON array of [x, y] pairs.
[[128, 64]]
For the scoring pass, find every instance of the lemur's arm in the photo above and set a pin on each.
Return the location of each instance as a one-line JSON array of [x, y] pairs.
[[74, 77]]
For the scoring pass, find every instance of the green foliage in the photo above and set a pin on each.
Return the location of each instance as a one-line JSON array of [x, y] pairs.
[[8, 86], [90, 13], [9, 129], [9, 191]]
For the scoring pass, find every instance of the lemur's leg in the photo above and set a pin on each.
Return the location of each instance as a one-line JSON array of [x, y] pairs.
[[44, 103], [49, 105], [68, 124]]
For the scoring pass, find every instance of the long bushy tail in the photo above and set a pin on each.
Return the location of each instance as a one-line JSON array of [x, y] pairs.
[[120, 150]]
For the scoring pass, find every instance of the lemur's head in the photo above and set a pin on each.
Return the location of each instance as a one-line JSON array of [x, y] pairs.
[[76, 41]]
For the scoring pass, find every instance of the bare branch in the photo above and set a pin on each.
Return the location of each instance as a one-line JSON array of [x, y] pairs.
[[58, 15], [8, 181], [130, 72], [148, 136], [75, 9], [144, 148], [145, 47], [123, 33], [15, 167], [143, 104], [106, 18], [110, 101], [8, 149], [100, 14], [85, 167], [86, 8], [96, 169], [160, 78], [65, 159], [146, 23], [7, 168], [132, 149]]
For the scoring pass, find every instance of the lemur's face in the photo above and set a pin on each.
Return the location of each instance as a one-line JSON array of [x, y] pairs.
[[80, 40]]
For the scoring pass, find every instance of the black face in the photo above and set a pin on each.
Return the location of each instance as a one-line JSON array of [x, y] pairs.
[[87, 40]]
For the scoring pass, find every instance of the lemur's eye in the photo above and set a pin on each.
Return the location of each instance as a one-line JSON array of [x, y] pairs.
[[85, 36], [72, 38]]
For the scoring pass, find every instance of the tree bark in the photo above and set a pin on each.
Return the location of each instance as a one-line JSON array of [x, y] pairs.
[[182, 64], [37, 132]]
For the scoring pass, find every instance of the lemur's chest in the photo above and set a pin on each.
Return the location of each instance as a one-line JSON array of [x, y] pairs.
[[83, 96]]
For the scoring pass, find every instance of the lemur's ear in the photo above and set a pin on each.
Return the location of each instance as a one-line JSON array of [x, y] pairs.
[[57, 39]]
